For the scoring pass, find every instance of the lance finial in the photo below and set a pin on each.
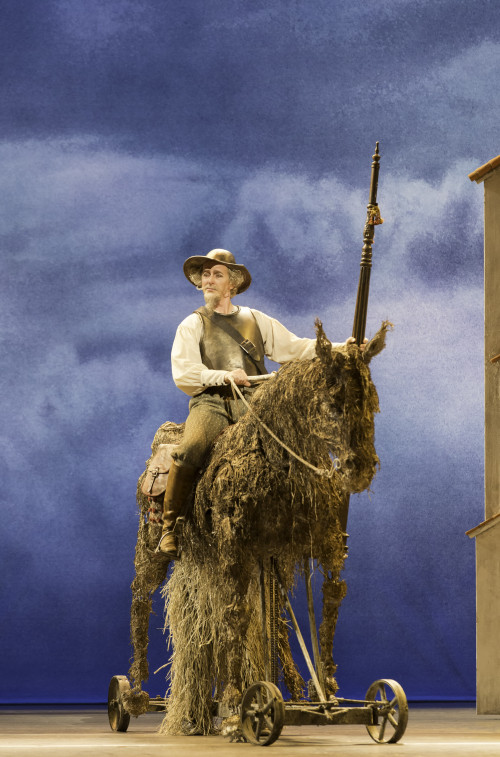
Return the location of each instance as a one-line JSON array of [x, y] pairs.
[[372, 219]]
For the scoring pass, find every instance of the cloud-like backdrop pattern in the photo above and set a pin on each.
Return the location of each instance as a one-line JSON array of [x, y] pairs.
[[135, 136]]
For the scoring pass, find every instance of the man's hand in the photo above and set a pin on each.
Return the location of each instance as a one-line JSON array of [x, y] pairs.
[[239, 377], [351, 340]]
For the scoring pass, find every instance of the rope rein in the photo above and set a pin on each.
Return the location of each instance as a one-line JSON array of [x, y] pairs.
[[320, 471]]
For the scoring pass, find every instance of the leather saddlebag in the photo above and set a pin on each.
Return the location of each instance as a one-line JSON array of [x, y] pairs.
[[155, 480]]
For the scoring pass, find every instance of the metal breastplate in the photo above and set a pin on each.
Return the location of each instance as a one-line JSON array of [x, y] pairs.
[[219, 351]]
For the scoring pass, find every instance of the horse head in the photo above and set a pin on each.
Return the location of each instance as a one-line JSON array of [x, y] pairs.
[[351, 401]]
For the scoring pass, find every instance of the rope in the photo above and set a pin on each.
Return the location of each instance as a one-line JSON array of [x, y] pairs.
[[320, 471]]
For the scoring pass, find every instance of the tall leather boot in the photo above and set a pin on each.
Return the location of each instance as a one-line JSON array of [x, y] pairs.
[[175, 503]]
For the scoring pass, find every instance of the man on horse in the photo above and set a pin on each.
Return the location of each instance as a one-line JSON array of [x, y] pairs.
[[216, 345]]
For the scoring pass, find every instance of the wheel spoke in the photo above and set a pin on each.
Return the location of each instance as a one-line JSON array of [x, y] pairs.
[[383, 696], [268, 723], [258, 728], [382, 729], [268, 707], [393, 703], [392, 720], [249, 714]]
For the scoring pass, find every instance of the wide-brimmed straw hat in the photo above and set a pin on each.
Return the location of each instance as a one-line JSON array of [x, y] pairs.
[[196, 263]]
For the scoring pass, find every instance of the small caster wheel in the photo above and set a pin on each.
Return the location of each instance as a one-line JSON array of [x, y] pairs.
[[262, 713], [118, 716], [390, 711]]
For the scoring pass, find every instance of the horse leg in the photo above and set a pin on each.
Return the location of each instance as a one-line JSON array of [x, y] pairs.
[[190, 607], [150, 571], [334, 591], [237, 620]]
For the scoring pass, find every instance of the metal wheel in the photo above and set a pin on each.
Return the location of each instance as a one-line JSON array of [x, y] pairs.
[[391, 709], [262, 713], [118, 716]]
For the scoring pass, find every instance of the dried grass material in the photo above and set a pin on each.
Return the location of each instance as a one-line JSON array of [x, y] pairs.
[[255, 501], [136, 702], [150, 571], [197, 603], [334, 591]]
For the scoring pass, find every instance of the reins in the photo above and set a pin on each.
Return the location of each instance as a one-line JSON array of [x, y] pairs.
[[320, 471]]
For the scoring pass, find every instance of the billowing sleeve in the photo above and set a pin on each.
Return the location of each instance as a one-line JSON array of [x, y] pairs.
[[282, 345], [188, 371]]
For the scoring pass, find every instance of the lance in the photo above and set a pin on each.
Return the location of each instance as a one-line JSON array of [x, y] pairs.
[[358, 330], [372, 219]]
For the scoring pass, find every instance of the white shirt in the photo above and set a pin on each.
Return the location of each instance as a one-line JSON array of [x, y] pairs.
[[192, 377]]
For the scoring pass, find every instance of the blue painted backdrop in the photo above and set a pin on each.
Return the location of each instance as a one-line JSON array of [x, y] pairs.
[[137, 133]]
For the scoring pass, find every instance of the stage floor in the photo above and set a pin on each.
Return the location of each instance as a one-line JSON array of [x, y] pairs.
[[65, 732]]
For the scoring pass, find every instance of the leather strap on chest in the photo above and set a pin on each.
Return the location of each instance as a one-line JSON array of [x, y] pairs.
[[246, 345]]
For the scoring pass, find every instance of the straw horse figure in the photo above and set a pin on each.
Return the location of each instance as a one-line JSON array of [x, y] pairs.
[[253, 501]]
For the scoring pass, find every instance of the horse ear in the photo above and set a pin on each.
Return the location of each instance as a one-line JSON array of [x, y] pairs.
[[323, 344], [377, 342], [333, 360]]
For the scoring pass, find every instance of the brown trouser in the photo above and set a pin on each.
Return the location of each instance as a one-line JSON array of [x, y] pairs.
[[209, 414]]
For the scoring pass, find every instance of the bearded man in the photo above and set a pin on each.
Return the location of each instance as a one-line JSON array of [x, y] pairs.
[[213, 346]]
